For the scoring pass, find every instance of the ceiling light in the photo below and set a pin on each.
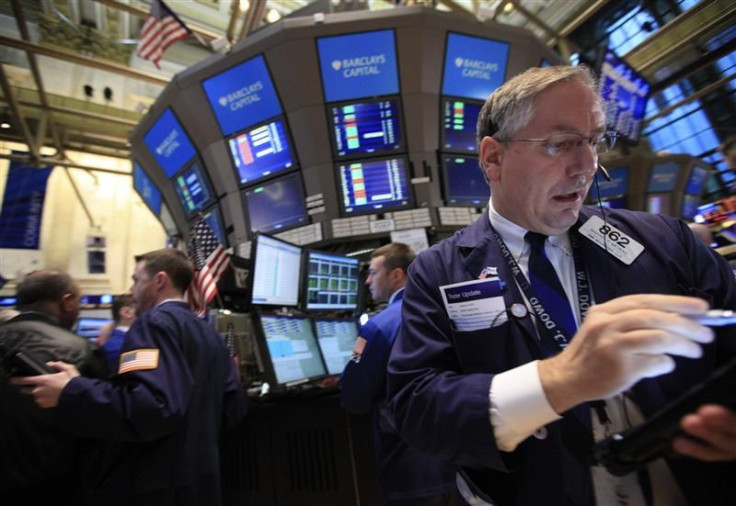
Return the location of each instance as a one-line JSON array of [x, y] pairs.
[[5, 125], [243, 5], [508, 8], [273, 16]]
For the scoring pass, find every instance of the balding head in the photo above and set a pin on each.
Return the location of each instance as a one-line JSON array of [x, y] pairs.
[[52, 292]]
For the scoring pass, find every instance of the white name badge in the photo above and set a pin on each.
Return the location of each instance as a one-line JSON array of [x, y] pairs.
[[612, 240], [475, 305]]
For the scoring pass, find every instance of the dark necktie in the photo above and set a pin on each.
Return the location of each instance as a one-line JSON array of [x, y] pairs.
[[547, 286]]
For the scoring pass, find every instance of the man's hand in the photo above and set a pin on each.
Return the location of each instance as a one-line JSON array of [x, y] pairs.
[[621, 342], [715, 426], [47, 388]]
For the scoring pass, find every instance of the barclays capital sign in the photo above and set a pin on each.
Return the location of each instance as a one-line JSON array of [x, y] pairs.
[[358, 65], [474, 67], [168, 143]]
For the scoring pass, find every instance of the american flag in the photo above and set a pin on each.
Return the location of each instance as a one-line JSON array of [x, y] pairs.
[[209, 261], [138, 360], [162, 29]]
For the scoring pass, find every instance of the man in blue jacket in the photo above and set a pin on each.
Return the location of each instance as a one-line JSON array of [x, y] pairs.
[[406, 477], [519, 324], [162, 413]]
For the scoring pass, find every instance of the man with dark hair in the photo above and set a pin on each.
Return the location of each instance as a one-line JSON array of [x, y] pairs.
[[123, 316], [162, 412], [406, 477], [36, 456], [547, 324]]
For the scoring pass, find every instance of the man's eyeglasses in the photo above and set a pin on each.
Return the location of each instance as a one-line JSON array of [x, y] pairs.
[[562, 144]]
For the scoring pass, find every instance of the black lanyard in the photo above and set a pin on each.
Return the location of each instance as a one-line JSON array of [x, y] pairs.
[[556, 335]]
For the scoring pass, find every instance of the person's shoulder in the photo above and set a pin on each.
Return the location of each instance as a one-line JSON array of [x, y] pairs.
[[633, 220]]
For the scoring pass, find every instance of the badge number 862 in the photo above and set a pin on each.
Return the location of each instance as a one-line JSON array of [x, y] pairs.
[[614, 235]]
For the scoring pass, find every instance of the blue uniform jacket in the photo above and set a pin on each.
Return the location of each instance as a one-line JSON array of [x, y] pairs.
[[162, 425], [403, 473], [439, 379], [112, 348]]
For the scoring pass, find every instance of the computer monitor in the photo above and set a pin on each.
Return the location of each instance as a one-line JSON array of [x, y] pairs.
[[463, 181], [276, 205], [214, 220], [276, 272], [615, 203], [358, 65], [148, 191], [696, 181], [689, 206], [369, 186], [169, 144], [332, 282], [336, 339], [624, 93], [293, 355], [607, 190], [193, 188], [459, 123], [242, 95], [8, 301], [261, 152], [659, 203], [366, 127], [474, 66], [90, 327], [663, 176]]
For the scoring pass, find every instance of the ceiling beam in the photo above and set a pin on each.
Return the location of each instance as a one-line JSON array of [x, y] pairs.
[[17, 115]]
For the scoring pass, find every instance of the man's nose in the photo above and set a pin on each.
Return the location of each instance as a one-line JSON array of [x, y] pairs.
[[585, 161]]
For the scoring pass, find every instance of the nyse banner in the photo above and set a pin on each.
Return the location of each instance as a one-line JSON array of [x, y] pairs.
[[242, 95], [358, 65], [474, 67], [20, 218]]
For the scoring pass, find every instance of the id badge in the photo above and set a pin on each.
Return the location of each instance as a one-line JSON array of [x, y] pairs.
[[475, 305]]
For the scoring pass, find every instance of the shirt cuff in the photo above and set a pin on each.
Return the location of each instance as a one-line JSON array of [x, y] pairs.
[[518, 405]]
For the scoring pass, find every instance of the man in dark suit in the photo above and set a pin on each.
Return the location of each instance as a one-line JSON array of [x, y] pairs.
[[542, 309], [162, 413]]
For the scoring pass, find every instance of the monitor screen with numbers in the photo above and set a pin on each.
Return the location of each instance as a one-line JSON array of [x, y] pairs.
[[276, 272], [371, 186], [365, 127], [332, 282], [336, 340]]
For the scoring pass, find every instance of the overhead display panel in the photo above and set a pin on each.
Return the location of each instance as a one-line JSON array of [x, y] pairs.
[[363, 128], [696, 180], [616, 187], [358, 65], [261, 152], [474, 67], [146, 189], [169, 144], [214, 220], [624, 93], [459, 124], [663, 176], [242, 95], [463, 181], [369, 186], [277, 205], [193, 189]]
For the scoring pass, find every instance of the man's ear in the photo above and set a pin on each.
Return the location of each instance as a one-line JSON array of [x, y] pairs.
[[68, 301], [491, 158], [161, 279]]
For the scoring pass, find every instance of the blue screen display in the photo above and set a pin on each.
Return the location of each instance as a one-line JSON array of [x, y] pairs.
[[276, 205], [242, 96], [695, 182], [358, 65], [689, 206], [361, 128], [617, 186], [459, 122], [146, 189], [212, 217], [624, 94], [193, 189], [474, 67], [663, 177], [261, 152], [464, 182], [618, 203], [169, 144], [374, 185]]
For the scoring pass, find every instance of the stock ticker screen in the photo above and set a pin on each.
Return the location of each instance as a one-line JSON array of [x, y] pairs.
[[366, 128], [374, 185], [261, 152]]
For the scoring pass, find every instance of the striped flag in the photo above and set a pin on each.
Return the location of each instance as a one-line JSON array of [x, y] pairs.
[[162, 29], [209, 261]]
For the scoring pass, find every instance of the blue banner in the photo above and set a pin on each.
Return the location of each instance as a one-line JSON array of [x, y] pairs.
[[169, 144], [20, 217], [474, 67]]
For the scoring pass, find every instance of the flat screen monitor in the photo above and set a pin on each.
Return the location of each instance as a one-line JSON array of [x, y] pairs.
[[663, 176], [369, 186], [459, 123], [261, 152], [8, 301], [169, 144], [292, 349], [616, 203], [474, 67], [696, 181], [90, 327], [358, 65], [606, 190], [193, 188], [333, 281], [624, 93], [143, 185], [714, 212], [242, 96], [689, 206], [276, 205], [276, 272], [336, 341], [367, 127], [463, 181], [214, 221], [659, 203]]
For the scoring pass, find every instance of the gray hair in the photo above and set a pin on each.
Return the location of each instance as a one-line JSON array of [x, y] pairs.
[[510, 107]]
